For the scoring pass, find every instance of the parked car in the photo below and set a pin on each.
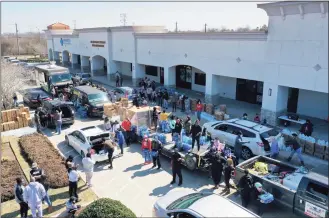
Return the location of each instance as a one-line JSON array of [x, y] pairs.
[[49, 108], [14, 62], [30, 98], [305, 194], [90, 139], [190, 204], [121, 92], [81, 78], [92, 98], [256, 134]]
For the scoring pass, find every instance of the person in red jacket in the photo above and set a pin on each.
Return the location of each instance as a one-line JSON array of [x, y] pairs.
[[147, 148], [126, 126], [199, 109]]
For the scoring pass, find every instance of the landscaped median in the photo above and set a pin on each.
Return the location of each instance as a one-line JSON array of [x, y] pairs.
[[41, 148], [37, 148], [10, 170]]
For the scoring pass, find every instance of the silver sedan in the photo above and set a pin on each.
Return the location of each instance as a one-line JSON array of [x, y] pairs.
[[190, 204]]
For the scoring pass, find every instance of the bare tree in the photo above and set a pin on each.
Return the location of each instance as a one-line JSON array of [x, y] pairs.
[[13, 79]]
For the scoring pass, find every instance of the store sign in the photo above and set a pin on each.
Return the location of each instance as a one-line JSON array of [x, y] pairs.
[[97, 43], [65, 41]]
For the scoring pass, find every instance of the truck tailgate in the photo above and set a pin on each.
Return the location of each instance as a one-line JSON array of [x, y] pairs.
[[283, 196]]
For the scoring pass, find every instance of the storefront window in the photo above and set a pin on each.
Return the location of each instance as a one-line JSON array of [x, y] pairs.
[[151, 70], [200, 79]]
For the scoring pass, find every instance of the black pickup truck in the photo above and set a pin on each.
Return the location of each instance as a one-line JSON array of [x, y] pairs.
[[305, 194]]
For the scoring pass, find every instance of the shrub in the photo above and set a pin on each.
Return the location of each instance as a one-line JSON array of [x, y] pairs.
[[105, 207], [10, 170], [37, 148]]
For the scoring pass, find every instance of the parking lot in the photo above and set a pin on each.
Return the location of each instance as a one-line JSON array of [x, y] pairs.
[[137, 185]]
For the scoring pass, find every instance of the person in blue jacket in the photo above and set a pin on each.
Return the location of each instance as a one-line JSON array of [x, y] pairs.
[[120, 139]]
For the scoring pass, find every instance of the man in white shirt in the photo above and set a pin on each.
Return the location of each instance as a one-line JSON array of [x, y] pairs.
[[33, 195], [88, 167], [73, 182]]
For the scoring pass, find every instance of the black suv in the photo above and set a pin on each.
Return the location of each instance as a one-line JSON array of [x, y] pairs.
[[49, 109], [91, 98]]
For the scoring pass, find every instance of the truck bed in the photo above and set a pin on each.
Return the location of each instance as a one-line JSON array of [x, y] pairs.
[[283, 195]]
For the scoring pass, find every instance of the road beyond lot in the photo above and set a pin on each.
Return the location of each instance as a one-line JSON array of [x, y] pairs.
[[137, 185]]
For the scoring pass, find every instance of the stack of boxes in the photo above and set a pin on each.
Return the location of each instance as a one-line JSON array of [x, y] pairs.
[[209, 109], [193, 104], [15, 118]]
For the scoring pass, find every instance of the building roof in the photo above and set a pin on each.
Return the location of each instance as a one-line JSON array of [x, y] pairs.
[[58, 26]]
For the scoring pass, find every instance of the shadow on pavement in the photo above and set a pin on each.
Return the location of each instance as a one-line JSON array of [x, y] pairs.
[[133, 168], [145, 172]]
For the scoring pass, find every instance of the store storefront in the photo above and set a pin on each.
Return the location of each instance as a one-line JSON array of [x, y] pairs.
[[184, 76], [250, 91]]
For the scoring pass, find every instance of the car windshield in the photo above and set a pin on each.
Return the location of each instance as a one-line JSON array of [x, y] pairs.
[[100, 97], [42, 95], [60, 78], [269, 133], [85, 76], [186, 201]]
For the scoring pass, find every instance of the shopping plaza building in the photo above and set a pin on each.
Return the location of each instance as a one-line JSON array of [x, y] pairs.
[[282, 69]]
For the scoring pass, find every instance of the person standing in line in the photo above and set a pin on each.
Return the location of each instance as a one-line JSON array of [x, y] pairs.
[[178, 126], [149, 93], [187, 125], [199, 109], [176, 161], [19, 197], [196, 131], [37, 120], [172, 124], [155, 115], [156, 150], [228, 174], [217, 164], [88, 167], [73, 182], [274, 148], [110, 146], [117, 79], [33, 195], [295, 149], [58, 118], [53, 92], [40, 177], [147, 148], [120, 139], [15, 99], [165, 99], [174, 100], [121, 80], [160, 98], [238, 147], [126, 126], [245, 186], [307, 128]]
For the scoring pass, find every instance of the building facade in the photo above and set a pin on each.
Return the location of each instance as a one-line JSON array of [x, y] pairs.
[[282, 69]]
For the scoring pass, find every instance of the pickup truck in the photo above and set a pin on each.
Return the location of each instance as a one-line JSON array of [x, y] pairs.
[[305, 194]]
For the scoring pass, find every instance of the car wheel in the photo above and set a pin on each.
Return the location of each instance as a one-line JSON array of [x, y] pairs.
[[246, 153], [82, 154], [190, 161]]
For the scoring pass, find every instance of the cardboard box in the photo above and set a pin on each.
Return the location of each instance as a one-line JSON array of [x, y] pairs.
[[16, 125], [2, 127], [4, 116], [309, 147], [21, 106], [319, 148], [25, 123], [6, 126], [223, 108], [11, 125]]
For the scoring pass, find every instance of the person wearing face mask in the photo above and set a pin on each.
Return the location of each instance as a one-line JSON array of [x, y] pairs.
[[259, 192], [178, 126]]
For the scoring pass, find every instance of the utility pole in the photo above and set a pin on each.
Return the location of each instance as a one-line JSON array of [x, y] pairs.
[[176, 27], [205, 27], [123, 19], [17, 38]]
